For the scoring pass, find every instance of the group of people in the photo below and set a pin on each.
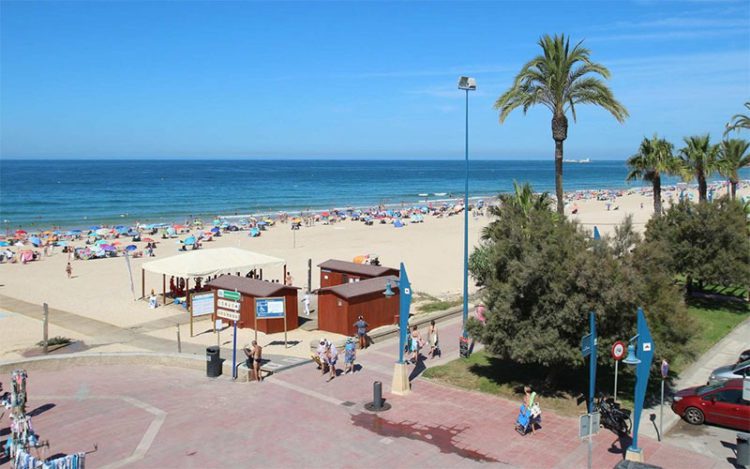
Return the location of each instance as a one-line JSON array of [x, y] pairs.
[[415, 343], [326, 357]]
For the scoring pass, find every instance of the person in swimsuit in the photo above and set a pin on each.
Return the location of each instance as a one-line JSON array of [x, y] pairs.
[[416, 341], [253, 354]]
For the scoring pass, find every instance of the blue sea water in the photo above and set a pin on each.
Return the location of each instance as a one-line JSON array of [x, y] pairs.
[[79, 193]]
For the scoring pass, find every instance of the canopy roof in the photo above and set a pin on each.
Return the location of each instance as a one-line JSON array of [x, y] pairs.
[[211, 262], [358, 269], [352, 290], [248, 286]]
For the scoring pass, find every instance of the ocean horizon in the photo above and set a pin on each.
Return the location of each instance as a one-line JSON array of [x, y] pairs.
[[37, 194]]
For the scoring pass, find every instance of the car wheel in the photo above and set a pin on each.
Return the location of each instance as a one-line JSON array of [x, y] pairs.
[[693, 416]]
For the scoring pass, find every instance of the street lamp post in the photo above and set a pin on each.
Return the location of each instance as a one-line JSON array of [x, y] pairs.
[[467, 84]]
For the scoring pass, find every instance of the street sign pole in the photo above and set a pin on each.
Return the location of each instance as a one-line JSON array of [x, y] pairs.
[[234, 351], [617, 364], [664, 375]]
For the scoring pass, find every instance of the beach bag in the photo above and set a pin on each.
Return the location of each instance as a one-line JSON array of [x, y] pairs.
[[536, 411]]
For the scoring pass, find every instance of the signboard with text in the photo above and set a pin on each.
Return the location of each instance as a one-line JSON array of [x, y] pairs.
[[228, 294], [270, 308], [202, 304], [226, 314]]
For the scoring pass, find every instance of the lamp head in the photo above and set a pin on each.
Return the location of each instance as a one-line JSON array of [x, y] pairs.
[[388, 290], [467, 83], [631, 359]]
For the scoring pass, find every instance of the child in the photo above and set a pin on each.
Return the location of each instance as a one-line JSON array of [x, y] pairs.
[[350, 353]]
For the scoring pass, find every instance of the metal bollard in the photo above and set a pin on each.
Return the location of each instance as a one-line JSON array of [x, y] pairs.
[[377, 395]]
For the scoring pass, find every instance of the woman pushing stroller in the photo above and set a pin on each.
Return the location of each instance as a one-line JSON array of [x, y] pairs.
[[530, 414]]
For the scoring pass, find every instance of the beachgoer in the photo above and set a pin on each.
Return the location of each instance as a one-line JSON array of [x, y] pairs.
[[480, 313], [416, 343], [320, 356], [531, 402], [152, 303], [432, 336], [288, 280], [361, 327], [350, 353], [254, 352], [331, 356], [306, 303], [69, 270]]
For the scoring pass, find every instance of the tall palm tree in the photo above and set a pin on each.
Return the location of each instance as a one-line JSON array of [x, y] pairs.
[[654, 159], [560, 79], [699, 160], [733, 156], [739, 121]]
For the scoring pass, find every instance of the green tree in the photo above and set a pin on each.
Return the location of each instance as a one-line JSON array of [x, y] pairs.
[[699, 160], [560, 79], [733, 156], [739, 121], [653, 159], [707, 243], [541, 282]]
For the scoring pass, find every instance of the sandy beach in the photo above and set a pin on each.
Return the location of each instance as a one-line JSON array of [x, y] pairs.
[[431, 251]]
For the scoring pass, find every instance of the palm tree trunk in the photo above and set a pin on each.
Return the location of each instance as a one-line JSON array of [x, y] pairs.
[[702, 188], [657, 195], [733, 184], [559, 134], [559, 176]]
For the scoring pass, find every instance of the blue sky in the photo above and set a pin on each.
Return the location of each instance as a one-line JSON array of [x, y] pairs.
[[350, 79]]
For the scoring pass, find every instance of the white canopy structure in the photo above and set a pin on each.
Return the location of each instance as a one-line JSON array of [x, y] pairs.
[[205, 263]]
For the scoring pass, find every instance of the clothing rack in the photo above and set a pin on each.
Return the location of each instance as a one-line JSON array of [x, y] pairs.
[[22, 437]]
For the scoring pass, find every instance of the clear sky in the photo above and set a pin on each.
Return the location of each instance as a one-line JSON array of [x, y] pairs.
[[115, 79]]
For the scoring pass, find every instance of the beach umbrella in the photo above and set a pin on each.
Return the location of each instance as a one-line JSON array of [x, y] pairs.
[[3, 243], [94, 228], [62, 243], [107, 247], [190, 240], [131, 247], [215, 230], [35, 241], [147, 240], [597, 236], [179, 227], [102, 231], [100, 242], [115, 243], [170, 231], [21, 233], [122, 230]]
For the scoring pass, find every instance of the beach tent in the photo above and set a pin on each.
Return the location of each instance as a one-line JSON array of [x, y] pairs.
[[207, 262], [398, 224]]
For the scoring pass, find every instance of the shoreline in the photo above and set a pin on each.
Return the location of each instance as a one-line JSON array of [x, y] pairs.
[[182, 217]]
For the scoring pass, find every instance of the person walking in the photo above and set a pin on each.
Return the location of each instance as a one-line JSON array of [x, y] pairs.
[[350, 354], [416, 343], [331, 357], [432, 337], [361, 327], [69, 270], [306, 303]]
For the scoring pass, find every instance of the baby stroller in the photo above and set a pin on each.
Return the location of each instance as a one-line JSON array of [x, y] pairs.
[[528, 416]]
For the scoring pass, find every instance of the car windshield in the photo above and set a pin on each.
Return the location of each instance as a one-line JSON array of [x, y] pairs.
[[740, 366], [700, 390]]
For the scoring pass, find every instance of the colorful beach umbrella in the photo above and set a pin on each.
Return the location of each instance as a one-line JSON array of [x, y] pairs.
[[189, 241], [101, 242], [147, 240], [3, 243], [131, 247], [102, 231], [215, 230], [107, 247], [35, 241]]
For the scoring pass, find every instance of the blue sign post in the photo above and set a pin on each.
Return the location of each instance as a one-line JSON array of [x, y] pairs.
[[588, 349], [234, 351], [400, 383], [644, 351]]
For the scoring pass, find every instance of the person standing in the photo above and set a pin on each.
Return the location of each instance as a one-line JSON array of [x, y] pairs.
[[306, 303], [288, 280], [257, 351], [69, 270], [350, 353], [152, 303], [416, 343], [361, 327], [331, 357]]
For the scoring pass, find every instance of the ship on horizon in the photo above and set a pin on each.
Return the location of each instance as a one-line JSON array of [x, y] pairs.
[[581, 161]]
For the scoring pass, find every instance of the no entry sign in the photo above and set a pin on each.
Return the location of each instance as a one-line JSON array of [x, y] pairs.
[[618, 350]]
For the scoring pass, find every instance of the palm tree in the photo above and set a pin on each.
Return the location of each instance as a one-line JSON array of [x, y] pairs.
[[739, 121], [653, 159], [522, 200], [560, 79], [733, 156], [699, 161]]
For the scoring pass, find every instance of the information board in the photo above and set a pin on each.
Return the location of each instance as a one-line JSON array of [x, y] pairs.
[[269, 308], [202, 304]]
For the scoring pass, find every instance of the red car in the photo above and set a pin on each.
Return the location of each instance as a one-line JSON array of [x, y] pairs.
[[721, 404]]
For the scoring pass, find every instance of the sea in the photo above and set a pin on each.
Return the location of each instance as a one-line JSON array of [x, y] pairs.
[[40, 194]]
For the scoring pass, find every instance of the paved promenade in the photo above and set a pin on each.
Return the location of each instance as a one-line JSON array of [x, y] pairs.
[[170, 417]]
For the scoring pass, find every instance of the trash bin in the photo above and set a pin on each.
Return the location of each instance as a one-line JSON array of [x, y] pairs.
[[743, 449], [213, 362]]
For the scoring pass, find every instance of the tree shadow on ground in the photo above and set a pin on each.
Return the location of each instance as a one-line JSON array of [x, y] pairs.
[[731, 304], [557, 382]]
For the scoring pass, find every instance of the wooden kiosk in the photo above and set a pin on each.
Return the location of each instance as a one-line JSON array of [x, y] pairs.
[[249, 292], [335, 272], [339, 306]]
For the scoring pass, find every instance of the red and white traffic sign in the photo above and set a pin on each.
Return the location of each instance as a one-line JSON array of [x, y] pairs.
[[618, 350]]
